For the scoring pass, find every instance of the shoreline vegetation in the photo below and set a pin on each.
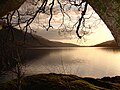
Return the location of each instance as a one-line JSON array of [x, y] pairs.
[[54, 81]]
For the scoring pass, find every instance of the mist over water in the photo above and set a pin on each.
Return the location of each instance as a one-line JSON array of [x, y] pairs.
[[81, 61]]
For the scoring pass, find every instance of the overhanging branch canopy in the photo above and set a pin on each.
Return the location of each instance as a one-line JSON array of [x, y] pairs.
[[108, 10]]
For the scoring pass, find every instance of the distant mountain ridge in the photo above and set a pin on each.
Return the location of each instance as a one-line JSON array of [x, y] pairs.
[[110, 43], [30, 40]]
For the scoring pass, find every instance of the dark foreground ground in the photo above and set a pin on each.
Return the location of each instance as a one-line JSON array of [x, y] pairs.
[[63, 82]]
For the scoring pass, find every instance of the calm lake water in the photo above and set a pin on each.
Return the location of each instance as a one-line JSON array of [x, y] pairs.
[[82, 61]]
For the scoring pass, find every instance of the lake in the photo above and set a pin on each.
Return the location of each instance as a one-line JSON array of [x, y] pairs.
[[82, 61]]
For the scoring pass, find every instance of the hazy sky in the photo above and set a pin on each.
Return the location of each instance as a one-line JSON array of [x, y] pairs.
[[98, 30]]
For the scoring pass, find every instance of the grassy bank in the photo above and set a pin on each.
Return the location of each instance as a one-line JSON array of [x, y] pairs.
[[63, 82]]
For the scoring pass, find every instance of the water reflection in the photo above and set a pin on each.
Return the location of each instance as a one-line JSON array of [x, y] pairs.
[[112, 49], [82, 61]]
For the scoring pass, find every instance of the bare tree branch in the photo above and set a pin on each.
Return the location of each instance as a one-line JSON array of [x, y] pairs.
[[80, 20]]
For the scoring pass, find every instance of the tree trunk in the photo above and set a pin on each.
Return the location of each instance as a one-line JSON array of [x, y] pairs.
[[7, 6], [109, 12]]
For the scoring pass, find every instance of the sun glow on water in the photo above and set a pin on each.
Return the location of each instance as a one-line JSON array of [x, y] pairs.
[[81, 61]]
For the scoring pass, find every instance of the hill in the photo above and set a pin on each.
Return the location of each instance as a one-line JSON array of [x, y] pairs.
[[16, 36], [111, 43]]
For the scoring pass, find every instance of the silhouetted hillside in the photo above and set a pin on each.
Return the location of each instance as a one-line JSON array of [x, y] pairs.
[[111, 43], [17, 37]]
